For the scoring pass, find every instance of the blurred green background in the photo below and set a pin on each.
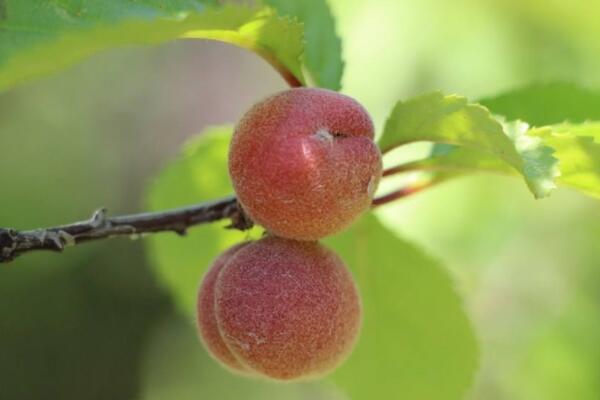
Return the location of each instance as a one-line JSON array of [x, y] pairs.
[[94, 323]]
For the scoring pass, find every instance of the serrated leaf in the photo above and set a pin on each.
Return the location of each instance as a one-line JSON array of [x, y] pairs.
[[578, 149], [452, 120], [323, 49], [577, 145], [416, 342], [38, 37], [539, 164], [200, 174], [547, 104]]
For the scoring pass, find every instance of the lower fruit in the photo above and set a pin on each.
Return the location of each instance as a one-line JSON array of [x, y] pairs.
[[207, 321], [284, 309]]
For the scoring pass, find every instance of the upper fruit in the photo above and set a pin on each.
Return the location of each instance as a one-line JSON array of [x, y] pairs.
[[303, 162]]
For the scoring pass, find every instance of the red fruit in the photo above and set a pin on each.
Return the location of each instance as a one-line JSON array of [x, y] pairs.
[[303, 162], [286, 309], [207, 322]]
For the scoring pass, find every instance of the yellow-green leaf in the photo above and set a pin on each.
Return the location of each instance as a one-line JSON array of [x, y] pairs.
[[323, 48], [416, 342], [38, 37], [452, 120]]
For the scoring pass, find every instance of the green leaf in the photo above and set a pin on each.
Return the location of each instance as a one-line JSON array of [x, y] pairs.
[[416, 342], [452, 120], [323, 49], [39, 37], [577, 145], [547, 104], [588, 129], [200, 174], [578, 149]]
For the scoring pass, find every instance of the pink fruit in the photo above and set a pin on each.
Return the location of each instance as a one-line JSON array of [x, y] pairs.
[[285, 309], [303, 162], [207, 322]]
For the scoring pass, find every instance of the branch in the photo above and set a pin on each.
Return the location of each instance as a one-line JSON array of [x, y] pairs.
[[14, 243], [99, 226]]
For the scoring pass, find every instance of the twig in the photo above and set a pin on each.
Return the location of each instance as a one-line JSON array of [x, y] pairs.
[[400, 193], [398, 170], [14, 243], [99, 226]]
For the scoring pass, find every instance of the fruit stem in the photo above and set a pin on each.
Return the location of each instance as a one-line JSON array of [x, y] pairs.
[[400, 193], [285, 72], [399, 169]]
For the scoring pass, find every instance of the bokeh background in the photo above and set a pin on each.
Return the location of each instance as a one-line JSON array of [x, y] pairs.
[[94, 323]]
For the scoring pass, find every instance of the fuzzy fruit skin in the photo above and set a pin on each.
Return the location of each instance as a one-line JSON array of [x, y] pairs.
[[207, 322], [303, 162], [289, 310]]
